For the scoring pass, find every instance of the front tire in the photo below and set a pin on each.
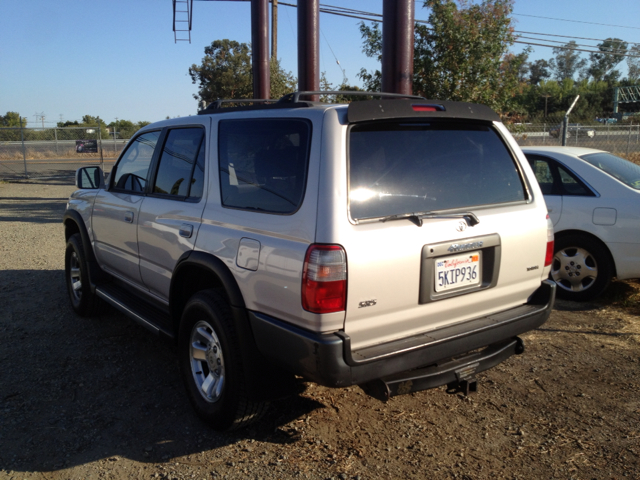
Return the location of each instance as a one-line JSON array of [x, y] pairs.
[[211, 364], [582, 268], [83, 300]]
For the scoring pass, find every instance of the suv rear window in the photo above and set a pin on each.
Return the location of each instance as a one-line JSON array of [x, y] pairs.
[[263, 163], [398, 168]]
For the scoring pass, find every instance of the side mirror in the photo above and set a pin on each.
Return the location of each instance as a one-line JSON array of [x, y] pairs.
[[89, 178]]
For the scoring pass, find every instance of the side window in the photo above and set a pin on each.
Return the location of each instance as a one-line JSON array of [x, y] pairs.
[[571, 185], [543, 174], [130, 173], [177, 162], [263, 163]]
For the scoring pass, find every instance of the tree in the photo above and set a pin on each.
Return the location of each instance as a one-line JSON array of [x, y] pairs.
[[68, 123], [612, 52], [633, 62], [539, 70], [567, 62], [225, 72], [12, 119], [461, 55]]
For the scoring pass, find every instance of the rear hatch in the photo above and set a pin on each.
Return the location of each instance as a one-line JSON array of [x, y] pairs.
[[442, 226]]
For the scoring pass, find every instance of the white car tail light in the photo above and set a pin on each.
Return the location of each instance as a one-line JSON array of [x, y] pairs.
[[324, 279]]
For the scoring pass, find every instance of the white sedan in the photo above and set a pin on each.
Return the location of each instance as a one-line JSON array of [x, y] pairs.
[[593, 198]]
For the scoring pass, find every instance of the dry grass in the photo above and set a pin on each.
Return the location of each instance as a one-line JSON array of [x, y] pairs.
[[632, 157]]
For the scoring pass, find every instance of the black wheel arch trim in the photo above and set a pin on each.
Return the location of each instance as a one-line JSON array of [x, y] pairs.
[[95, 272], [216, 266], [264, 381]]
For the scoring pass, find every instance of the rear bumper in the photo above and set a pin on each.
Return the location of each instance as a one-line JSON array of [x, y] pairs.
[[327, 359]]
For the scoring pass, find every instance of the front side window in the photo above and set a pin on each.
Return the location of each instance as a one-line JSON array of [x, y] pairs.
[[178, 161], [130, 174], [263, 163], [400, 168], [619, 168]]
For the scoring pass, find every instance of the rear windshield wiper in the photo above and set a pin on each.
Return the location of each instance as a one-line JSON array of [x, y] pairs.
[[417, 218]]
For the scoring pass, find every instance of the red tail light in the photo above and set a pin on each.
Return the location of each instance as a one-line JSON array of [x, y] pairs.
[[427, 108], [324, 279], [549, 256]]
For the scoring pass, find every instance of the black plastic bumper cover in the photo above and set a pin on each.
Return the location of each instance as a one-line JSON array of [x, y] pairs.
[[327, 359]]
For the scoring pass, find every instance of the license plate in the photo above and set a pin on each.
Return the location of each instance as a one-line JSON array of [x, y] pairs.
[[457, 271]]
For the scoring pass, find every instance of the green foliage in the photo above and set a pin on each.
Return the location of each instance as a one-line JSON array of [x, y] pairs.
[[225, 72], [282, 82], [462, 55], [68, 123], [12, 119], [538, 71], [567, 62], [634, 64], [612, 52]]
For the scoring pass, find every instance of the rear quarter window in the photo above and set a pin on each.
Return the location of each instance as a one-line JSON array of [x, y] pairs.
[[263, 163], [399, 168]]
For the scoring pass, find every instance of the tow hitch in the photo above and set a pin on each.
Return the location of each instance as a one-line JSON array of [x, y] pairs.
[[458, 374]]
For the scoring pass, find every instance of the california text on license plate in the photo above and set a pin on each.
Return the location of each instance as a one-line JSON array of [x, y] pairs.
[[458, 271]]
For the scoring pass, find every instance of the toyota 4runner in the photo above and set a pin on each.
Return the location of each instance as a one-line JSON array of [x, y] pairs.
[[398, 244]]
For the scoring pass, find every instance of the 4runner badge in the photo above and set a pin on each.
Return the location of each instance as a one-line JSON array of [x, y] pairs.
[[460, 247], [367, 303]]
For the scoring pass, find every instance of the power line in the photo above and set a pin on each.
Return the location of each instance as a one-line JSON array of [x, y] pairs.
[[377, 17], [575, 21]]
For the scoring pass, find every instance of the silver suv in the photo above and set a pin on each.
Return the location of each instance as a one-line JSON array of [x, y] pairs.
[[398, 244]]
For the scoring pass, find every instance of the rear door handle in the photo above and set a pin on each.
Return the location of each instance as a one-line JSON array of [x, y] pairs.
[[128, 217], [186, 230]]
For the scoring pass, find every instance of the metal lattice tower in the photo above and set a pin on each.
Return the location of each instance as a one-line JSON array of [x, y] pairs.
[[182, 12], [627, 95]]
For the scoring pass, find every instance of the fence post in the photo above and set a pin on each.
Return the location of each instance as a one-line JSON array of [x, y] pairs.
[[100, 143], [629, 139], [24, 151], [55, 134], [544, 133]]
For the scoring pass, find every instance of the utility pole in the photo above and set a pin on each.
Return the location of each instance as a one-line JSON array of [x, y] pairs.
[[545, 103], [274, 29]]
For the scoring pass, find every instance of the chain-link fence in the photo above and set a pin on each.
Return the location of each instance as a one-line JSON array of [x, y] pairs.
[[54, 152], [59, 152], [622, 139]]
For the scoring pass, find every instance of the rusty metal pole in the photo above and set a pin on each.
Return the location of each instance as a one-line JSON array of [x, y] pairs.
[[398, 18], [309, 46], [260, 48]]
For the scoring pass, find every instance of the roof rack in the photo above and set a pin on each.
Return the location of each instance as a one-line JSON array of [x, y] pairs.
[[218, 103], [292, 100], [295, 96]]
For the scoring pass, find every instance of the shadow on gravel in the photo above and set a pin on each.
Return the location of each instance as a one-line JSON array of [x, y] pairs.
[[77, 390], [32, 209]]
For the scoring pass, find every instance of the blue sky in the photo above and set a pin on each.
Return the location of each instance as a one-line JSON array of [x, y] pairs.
[[118, 58]]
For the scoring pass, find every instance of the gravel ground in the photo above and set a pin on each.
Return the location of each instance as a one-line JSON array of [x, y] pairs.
[[102, 398]]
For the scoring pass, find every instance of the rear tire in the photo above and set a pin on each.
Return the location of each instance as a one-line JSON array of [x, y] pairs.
[[83, 300], [582, 268], [211, 364]]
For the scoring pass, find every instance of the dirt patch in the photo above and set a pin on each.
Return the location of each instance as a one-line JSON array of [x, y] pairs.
[[102, 398]]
